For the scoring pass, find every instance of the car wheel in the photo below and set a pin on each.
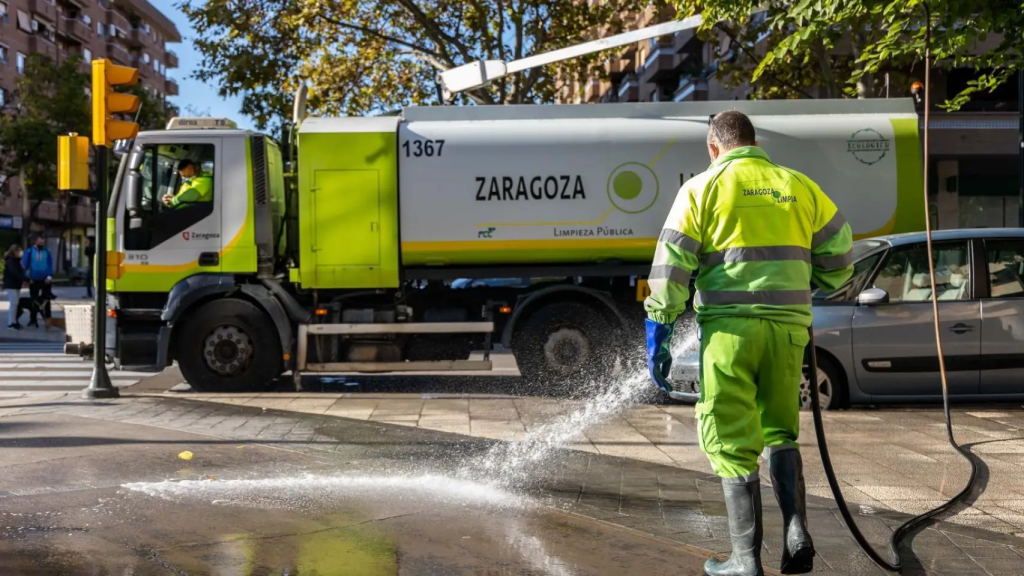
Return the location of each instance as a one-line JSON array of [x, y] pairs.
[[831, 387]]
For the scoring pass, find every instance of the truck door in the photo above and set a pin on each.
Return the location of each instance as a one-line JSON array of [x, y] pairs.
[[169, 224]]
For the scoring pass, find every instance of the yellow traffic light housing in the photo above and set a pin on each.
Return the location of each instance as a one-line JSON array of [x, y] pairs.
[[106, 102], [72, 162]]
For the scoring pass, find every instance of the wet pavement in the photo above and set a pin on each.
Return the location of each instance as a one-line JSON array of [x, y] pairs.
[[286, 490], [83, 496]]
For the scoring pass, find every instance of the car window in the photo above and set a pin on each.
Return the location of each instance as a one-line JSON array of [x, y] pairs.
[[848, 292], [906, 278], [1006, 267]]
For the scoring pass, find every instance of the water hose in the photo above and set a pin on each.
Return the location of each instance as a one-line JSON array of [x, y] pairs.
[[896, 565]]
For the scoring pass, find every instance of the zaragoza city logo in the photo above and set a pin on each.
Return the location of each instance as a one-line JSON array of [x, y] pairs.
[[633, 187]]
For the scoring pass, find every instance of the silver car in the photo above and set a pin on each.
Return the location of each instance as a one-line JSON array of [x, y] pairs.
[[875, 336]]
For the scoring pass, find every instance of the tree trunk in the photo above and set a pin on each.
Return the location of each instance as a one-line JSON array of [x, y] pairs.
[[828, 78]]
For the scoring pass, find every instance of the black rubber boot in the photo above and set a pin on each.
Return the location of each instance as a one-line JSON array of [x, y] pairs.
[[743, 504], [787, 472]]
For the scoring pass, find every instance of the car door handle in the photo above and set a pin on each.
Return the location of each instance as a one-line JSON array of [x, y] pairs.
[[961, 328], [209, 259]]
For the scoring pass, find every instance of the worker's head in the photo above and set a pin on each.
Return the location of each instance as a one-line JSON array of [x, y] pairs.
[[40, 241], [728, 130], [187, 168]]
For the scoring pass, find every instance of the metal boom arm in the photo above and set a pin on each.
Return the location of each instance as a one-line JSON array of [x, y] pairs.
[[482, 72]]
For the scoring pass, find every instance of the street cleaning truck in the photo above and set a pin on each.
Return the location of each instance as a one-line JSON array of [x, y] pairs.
[[412, 242]]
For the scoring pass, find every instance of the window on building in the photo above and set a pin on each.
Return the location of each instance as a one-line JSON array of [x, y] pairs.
[[87, 55], [3, 97], [24, 22], [112, 31], [145, 26], [100, 29], [3, 11], [3, 55], [145, 57], [21, 63], [86, 19]]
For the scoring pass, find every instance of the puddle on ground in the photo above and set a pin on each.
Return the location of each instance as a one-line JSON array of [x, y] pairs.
[[397, 532]]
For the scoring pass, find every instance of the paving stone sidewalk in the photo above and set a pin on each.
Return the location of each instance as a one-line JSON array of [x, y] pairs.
[[663, 500]]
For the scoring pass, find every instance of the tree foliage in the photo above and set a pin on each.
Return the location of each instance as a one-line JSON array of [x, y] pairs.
[[845, 47], [49, 99], [362, 56]]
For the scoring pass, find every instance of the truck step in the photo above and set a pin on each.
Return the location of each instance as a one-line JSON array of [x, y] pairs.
[[424, 366], [399, 328]]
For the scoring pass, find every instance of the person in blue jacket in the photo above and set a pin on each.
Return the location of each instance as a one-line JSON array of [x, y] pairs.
[[38, 265]]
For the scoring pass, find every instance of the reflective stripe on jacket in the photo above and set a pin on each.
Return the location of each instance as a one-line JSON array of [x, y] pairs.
[[760, 234]]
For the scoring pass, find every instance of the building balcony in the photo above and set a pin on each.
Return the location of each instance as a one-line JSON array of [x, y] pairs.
[[594, 89], [42, 46], [117, 19], [691, 89], [617, 67], [76, 3], [629, 89], [659, 65], [171, 87], [43, 8], [170, 60], [74, 29], [118, 53]]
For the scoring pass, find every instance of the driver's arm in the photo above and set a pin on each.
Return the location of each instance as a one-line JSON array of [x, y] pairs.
[[186, 195]]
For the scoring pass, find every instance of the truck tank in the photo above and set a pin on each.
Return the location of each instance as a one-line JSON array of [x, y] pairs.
[[568, 184]]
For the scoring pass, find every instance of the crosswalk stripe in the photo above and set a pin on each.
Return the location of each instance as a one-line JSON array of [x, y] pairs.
[[45, 365]]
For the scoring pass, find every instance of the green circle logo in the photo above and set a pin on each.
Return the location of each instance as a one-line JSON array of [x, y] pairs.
[[776, 194], [632, 187], [627, 185]]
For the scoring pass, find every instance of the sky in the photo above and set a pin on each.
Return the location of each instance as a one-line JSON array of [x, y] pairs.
[[192, 92]]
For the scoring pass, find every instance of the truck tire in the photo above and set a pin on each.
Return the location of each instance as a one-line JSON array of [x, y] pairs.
[[566, 348], [228, 345]]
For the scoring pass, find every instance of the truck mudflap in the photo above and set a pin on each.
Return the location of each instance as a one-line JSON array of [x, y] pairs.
[[307, 330]]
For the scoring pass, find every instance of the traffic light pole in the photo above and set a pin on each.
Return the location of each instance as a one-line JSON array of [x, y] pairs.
[[100, 385]]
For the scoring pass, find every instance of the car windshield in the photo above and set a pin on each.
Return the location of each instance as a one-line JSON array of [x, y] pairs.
[[862, 247]]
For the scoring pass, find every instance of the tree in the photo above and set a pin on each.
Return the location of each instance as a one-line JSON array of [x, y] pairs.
[[845, 47], [49, 99], [153, 112], [362, 56]]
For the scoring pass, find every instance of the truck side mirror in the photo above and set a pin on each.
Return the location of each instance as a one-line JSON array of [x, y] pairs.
[[133, 189], [873, 297]]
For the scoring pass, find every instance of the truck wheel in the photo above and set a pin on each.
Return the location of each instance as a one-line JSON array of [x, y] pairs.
[[228, 346], [563, 347]]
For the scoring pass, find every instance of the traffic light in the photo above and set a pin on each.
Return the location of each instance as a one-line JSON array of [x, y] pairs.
[[106, 102], [72, 162]]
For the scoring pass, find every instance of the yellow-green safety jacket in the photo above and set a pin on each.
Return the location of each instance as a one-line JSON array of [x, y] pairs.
[[760, 234], [194, 190]]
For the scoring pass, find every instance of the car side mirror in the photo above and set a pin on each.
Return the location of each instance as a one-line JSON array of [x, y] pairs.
[[873, 297]]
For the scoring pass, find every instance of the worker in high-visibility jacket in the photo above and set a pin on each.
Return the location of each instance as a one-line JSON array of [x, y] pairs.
[[196, 187], [760, 234]]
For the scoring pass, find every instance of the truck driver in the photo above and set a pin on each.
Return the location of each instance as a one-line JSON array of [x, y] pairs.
[[195, 186]]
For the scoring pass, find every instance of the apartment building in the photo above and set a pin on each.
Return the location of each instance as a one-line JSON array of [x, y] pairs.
[[973, 156], [128, 32]]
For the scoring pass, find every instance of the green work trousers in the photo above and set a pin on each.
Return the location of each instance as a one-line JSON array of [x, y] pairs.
[[750, 375]]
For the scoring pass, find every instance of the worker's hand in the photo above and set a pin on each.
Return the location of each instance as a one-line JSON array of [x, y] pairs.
[[659, 357], [48, 279], [167, 198]]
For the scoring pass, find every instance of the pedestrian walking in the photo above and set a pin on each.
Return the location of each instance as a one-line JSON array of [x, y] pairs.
[[90, 255], [760, 234], [14, 279], [38, 265]]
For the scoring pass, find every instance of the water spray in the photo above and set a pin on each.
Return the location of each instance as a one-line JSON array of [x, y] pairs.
[[896, 565]]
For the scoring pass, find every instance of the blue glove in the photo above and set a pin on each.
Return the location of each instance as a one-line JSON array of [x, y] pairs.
[[659, 357]]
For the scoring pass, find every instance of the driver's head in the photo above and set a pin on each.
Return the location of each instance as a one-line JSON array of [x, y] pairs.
[[729, 130], [187, 168]]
